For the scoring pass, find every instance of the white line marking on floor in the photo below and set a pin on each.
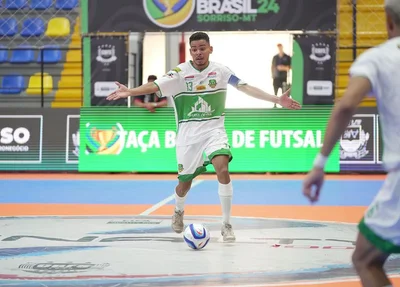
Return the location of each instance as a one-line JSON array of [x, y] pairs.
[[168, 199]]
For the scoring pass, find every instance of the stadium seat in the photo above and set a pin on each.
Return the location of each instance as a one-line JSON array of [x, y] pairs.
[[32, 27], [8, 27], [40, 4], [16, 4], [3, 54], [35, 84], [22, 54], [51, 55], [58, 27], [12, 84], [66, 4]]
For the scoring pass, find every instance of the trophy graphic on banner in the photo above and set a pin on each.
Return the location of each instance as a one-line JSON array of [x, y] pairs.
[[103, 137]]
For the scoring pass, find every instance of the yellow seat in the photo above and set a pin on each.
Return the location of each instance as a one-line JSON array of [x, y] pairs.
[[58, 27], [35, 84]]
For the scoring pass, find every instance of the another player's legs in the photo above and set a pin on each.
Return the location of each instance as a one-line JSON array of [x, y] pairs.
[[368, 262], [379, 234]]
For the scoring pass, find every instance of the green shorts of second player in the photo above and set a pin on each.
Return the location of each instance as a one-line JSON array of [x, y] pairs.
[[381, 222], [193, 159]]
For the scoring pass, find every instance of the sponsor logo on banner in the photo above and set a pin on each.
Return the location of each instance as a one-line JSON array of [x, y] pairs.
[[72, 139], [319, 88], [320, 52], [60, 267], [175, 13], [106, 54], [357, 144], [21, 138], [104, 89]]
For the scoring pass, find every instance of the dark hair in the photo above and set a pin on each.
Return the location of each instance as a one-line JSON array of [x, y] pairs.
[[151, 77], [199, 36]]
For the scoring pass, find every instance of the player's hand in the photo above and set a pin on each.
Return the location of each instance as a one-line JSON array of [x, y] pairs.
[[312, 184], [287, 102], [121, 92]]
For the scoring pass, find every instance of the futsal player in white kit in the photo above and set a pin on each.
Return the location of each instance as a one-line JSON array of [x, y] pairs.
[[376, 72], [198, 90]]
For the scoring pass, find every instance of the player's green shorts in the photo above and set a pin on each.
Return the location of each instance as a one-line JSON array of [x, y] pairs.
[[191, 162], [381, 222]]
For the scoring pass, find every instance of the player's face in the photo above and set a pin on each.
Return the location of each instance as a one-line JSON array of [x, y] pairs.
[[200, 51]]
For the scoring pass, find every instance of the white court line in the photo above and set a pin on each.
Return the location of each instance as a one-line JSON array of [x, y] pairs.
[[166, 200]]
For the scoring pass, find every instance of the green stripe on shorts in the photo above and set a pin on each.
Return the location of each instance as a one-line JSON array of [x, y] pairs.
[[189, 177], [380, 243]]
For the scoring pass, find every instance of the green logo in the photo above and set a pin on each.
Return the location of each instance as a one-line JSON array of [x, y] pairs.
[[212, 83]]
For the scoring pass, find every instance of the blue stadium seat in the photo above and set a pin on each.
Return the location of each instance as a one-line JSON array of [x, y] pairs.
[[8, 27], [16, 4], [32, 27], [51, 56], [23, 55], [12, 84], [3, 54], [40, 4], [66, 4]]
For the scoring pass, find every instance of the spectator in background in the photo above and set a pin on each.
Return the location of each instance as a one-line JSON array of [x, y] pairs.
[[152, 101], [280, 67]]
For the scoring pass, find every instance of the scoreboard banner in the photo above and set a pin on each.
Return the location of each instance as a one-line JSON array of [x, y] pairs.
[[116, 139], [207, 15]]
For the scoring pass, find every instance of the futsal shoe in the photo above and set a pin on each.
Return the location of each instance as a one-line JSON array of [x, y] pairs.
[[177, 221], [227, 233]]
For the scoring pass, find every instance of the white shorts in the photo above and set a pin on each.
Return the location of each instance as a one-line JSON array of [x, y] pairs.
[[191, 158], [381, 222]]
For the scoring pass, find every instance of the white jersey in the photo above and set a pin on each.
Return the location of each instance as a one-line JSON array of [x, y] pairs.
[[199, 99], [381, 65]]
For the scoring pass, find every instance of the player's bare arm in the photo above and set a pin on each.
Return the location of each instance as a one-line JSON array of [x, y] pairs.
[[124, 92], [285, 101], [342, 113]]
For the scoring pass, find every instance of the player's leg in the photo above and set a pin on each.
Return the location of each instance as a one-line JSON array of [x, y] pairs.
[[379, 234], [219, 154], [368, 262], [190, 164]]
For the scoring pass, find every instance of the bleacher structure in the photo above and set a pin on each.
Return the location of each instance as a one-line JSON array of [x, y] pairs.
[[40, 53], [361, 25]]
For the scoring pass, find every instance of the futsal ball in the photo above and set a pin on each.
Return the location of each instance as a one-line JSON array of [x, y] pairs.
[[196, 236]]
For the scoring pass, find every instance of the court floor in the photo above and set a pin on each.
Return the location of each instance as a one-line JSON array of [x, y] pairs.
[[114, 230]]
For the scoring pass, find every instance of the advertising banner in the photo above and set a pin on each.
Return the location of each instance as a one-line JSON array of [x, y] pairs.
[[314, 66], [126, 140], [109, 63], [38, 139], [361, 144], [210, 15]]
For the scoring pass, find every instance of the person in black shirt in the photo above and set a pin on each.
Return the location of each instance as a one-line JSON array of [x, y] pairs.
[[152, 101], [280, 67]]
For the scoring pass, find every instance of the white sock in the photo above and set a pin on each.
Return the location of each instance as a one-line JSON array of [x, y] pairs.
[[225, 192], [179, 202]]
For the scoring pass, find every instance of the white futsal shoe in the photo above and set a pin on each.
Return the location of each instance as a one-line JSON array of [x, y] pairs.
[[227, 232], [177, 221]]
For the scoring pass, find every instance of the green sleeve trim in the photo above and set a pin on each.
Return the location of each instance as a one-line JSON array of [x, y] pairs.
[[380, 243]]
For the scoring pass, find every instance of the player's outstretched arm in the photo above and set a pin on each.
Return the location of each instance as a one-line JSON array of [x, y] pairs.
[[124, 92], [285, 101]]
